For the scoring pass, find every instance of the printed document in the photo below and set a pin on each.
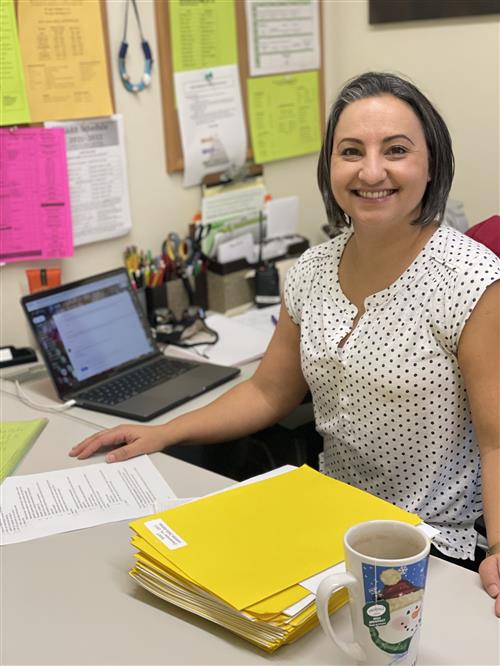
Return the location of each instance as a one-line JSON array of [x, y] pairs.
[[64, 58], [34, 195], [203, 34], [37, 505], [284, 115], [213, 132], [98, 182], [282, 36], [13, 101]]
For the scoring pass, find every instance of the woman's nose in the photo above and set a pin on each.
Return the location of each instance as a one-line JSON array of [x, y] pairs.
[[372, 170]]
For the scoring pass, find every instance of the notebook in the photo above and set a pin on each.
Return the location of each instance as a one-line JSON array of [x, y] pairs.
[[99, 350]]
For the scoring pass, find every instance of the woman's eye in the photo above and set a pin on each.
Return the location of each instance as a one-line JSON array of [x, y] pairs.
[[350, 152], [397, 150]]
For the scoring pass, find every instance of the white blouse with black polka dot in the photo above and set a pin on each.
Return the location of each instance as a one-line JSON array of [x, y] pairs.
[[391, 403]]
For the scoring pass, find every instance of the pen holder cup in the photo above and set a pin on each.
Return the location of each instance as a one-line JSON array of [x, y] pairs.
[[174, 296]]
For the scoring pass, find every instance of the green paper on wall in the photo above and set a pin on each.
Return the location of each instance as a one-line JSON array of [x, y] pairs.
[[203, 34], [284, 115], [13, 99]]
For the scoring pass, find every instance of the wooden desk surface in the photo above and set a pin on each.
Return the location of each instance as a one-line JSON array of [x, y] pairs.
[[67, 599]]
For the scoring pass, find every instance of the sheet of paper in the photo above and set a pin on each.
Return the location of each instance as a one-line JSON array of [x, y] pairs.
[[13, 100], [34, 195], [37, 505], [203, 34], [64, 59], [98, 181], [282, 36], [213, 132], [284, 115], [240, 247], [260, 319], [312, 583], [282, 217], [15, 439]]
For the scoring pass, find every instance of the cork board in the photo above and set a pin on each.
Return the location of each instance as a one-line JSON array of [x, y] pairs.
[[172, 135]]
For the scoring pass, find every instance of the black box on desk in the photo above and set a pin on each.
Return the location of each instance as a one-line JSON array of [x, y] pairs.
[[173, 295], [229, 285]]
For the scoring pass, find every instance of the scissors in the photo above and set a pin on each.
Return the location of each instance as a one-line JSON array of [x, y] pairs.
[[178, 252]]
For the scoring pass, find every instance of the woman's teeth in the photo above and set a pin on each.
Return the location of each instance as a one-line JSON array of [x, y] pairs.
[[374, 195]]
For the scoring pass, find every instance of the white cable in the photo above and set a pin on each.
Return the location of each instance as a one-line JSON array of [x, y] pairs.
[[23, 397]]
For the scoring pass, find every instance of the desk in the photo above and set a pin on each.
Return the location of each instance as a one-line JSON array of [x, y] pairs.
[[67, 599]]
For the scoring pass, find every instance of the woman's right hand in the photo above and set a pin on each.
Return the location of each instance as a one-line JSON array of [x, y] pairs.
[[130, 440]]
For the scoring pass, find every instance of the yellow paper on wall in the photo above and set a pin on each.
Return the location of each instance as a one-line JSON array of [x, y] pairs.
[[64, 59], [253, 541]]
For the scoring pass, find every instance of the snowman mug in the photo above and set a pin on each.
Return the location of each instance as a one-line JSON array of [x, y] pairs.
[[386, 567]]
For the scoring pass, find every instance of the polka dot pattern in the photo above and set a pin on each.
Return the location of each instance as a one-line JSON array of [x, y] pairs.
[[391, 403]]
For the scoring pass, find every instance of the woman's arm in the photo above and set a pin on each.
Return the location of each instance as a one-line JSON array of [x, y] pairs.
[[479, 360], [275, 389]]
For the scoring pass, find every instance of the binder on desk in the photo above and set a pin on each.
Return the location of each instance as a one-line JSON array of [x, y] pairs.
[[238, 557]]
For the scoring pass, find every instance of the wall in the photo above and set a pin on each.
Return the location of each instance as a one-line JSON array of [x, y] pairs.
[[456, 61]]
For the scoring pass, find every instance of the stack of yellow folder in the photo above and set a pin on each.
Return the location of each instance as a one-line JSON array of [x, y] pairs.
[[238, 557]]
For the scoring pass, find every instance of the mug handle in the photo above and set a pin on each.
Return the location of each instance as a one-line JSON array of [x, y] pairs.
[[325, 590]]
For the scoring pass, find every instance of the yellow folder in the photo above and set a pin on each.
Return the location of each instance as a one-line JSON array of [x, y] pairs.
[[256, 540], [271, 606]]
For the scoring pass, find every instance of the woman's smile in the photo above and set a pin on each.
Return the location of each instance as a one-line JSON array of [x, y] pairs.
[[374, 196]]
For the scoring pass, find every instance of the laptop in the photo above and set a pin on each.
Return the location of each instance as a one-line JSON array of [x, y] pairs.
[[96, 342]]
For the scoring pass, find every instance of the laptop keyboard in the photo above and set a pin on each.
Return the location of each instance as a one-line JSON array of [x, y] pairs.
[[136, 381]]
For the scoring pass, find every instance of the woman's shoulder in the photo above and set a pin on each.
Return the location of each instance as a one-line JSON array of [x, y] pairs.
[[463, 270], [463, 255]]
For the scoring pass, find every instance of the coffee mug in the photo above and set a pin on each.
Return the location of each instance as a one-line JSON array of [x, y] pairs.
[[386, 567]]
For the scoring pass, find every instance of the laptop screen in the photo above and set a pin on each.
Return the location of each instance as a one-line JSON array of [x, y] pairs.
[[88, 328]]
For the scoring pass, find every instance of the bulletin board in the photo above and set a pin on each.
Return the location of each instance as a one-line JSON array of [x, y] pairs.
[[172, 135]]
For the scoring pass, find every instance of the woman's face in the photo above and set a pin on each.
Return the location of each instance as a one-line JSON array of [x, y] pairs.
[[379, 165]]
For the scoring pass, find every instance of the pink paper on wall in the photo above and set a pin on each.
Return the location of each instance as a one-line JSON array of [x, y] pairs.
[[35, 211]]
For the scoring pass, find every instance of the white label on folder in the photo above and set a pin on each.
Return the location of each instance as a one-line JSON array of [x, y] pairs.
[[5, 354], [163, 532]]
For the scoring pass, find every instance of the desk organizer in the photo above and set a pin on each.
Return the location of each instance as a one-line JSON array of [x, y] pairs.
[[229, 285], [173, 295]]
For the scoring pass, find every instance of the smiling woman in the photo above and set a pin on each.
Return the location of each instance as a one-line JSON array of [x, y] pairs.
[[393, 326]]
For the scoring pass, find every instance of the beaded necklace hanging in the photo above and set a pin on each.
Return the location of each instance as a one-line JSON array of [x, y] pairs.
[[148, 59]]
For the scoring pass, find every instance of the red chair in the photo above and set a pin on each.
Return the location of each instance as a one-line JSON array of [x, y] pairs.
[[487, 233]]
